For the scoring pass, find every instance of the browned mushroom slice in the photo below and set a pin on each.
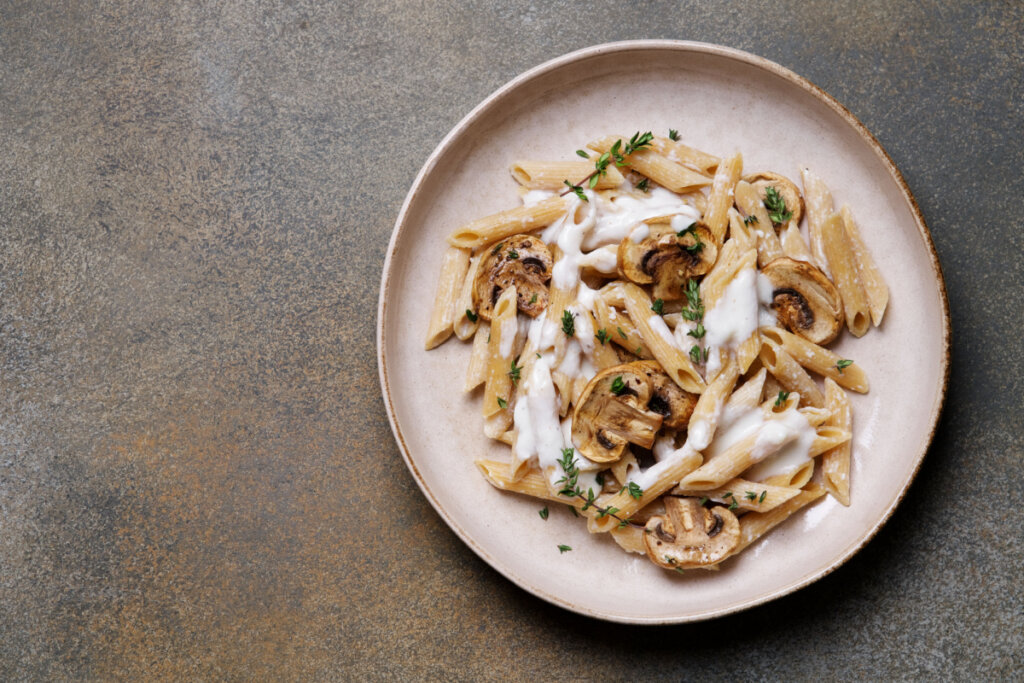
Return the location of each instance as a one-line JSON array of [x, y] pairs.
[[520, 260], [675, 405], [668, 258], [690, 535], [805, 302], [793, 202], [612, 412]]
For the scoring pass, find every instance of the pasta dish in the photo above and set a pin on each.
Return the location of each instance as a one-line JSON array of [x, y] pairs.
[[649, 335]]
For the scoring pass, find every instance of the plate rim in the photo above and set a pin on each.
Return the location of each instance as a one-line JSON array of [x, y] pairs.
[[702, 48]]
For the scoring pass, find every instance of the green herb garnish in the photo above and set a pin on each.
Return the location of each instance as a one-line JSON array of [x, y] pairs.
[[658, 306], [543, 513], [568, 323], [783, 395], [602, 336], [471, 315], [618, 386], [776, 205], [840, 365]]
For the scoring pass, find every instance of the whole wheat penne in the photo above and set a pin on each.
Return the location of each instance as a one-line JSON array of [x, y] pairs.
[[796, 478], [464, 316], [660, 169], [844, 271], [489, 229], [684, 154], [660, 342], [768, 246], [721, 198], [476, 372], [789, 373], [747, 495], [818, 203], [793, 244], [818, 359], [551, 175], [756, 524], [870, 277], [500, 370], [835, 463], [453, 271]]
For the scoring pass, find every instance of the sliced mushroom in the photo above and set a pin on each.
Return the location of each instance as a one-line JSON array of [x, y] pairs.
[[784, 186], [520, 260], [675, 405], [690, 535], [804, 300], [612, 412], [668, 258]]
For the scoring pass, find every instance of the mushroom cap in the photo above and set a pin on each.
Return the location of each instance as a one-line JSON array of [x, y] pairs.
[[690, 535], [805, 301], [675, 405], [784, 186], [612, 411], [520, 260], [668, 258]]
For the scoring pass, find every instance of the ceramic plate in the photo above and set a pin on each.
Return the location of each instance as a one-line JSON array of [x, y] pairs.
[[721, 100]]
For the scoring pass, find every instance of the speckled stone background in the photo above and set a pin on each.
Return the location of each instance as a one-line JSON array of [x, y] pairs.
[[197, 477]]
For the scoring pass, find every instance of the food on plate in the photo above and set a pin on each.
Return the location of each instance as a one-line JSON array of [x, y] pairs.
[[646, 329]]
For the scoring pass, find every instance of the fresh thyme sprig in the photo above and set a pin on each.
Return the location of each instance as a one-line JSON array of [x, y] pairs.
[[571, 488], [617, 153], [776, 205]]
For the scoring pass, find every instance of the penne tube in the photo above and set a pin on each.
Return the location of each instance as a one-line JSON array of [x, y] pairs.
[[489, 229], [620, 328], [464, 325], [476, 373], [765, 496], [661, 343], [721, 198], [453, 272], [740, 232], [531, 483], [756, 524], [768, 246], [818, 203], [818, 359], [796, 479], [870, 277], [686, 155], [730, 262], [835, 463], [551, 175], [789, 373], [793, 244], [660, 169], [500, 373], [757, 446], [844, 271]]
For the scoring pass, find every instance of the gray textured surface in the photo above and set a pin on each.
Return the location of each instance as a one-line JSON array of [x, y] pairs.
[[194, 208]]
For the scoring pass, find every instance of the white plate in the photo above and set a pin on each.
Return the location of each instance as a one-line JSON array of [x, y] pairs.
[[721, 100]]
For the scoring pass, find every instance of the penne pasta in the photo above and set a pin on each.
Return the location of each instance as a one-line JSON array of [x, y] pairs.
[[551, 175], [716, 217], [793, 244], [844, 271], [818, 202], [871, 278], [670, 175], [687, 156], [745, 495], [660, 342], [453, 271], [835, 463], [818, 359], [501, 367], [768, 246], [464, 316], [490, 229], [756, 524], [476, 372], [789, 373]]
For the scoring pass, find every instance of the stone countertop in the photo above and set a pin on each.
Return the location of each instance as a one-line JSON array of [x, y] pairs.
[[195, 204]]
